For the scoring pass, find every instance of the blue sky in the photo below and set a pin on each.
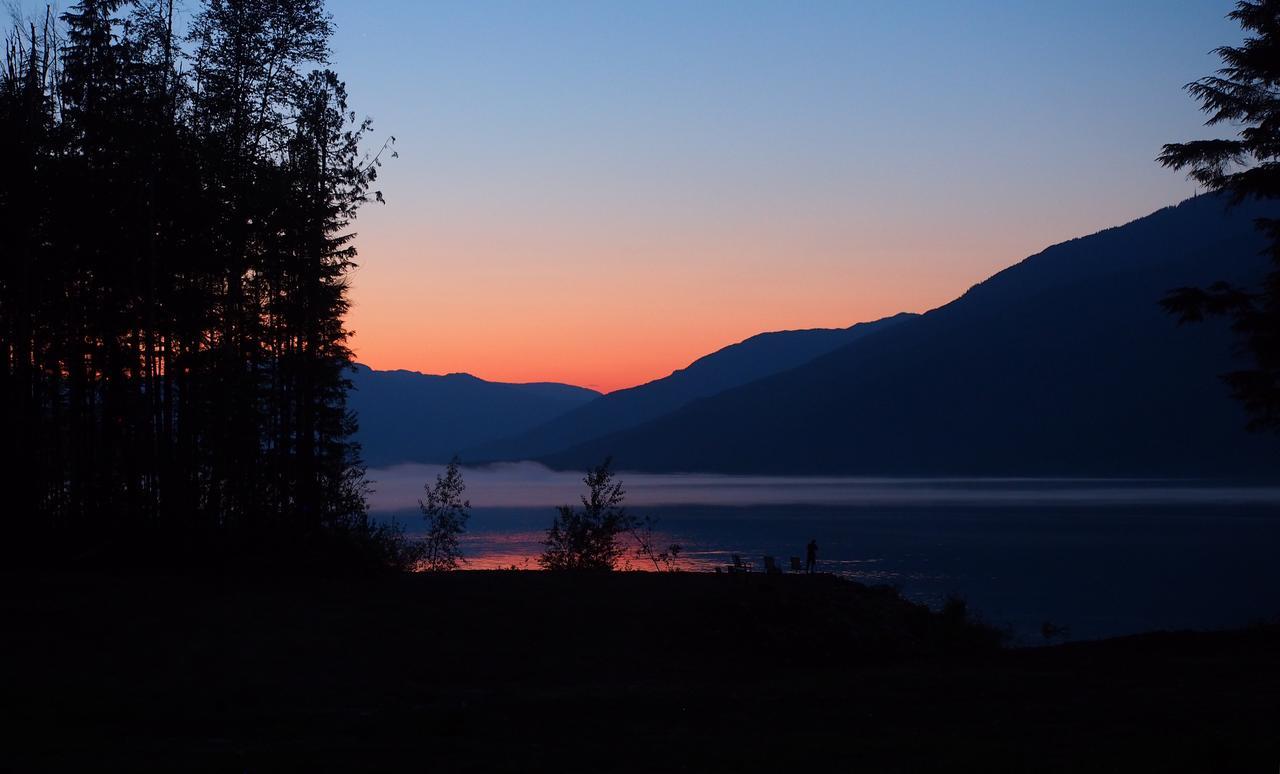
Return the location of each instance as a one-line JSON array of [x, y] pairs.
[[734, 104], [600, 192]]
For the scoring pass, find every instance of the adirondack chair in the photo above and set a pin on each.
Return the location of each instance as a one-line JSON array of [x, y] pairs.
[[771, 566], [796, 566]]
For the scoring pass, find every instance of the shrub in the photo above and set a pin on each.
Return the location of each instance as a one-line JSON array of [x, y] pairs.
[[446, 514], [591, 538]]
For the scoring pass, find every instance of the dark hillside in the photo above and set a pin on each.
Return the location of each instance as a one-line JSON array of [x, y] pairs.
[[757, 357], [1061, 365]]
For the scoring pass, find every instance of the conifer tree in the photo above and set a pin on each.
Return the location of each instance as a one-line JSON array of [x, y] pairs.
[[1245, 92], [171, 317]]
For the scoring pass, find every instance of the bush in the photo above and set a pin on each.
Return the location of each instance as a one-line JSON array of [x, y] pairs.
[[589, 539], [446, 514]]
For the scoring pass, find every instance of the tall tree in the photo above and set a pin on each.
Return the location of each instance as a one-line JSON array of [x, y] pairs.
[[171, 320], [1245, 92], [31, 465]]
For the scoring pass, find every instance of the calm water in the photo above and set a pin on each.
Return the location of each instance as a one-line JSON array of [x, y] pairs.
[[1102, 557]]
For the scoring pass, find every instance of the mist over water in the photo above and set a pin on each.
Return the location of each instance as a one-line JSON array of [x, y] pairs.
[[1103, 557], [530, 484]]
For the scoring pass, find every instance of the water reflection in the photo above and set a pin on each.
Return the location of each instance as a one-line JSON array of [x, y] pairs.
[[520, 551], [1104, 557]]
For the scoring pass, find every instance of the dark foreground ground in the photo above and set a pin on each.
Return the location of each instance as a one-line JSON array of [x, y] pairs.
[[510, 671]]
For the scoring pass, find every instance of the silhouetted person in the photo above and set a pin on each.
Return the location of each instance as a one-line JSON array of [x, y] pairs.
[[811, 556]]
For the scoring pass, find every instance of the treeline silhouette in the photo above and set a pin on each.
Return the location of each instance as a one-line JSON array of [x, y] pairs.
[[177, 214]]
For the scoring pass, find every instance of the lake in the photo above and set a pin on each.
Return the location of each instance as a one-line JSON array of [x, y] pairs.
[[1102, 557]]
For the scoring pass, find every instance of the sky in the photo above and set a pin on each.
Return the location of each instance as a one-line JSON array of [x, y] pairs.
[[600, 192]]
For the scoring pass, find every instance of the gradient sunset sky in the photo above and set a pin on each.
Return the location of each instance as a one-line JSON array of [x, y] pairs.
[[600, 192]]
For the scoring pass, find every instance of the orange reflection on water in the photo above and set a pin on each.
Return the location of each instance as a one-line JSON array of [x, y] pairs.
[[520, 551]]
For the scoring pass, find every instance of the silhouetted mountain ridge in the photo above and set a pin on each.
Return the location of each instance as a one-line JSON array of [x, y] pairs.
[[1063, 364], [406, 416], [737, 364]]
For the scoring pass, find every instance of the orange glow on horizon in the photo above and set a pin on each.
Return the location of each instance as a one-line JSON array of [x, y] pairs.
[[599, 194], [618, 306]]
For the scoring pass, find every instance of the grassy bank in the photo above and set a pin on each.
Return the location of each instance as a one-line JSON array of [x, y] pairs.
[[630, 671]]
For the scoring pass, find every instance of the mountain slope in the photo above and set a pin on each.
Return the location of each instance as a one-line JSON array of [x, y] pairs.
[[1061, 365], [737, 364], [406, 416]]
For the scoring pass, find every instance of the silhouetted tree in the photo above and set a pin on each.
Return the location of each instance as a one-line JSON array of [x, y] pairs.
[[171, 310], [446, 514], [595, 538], [1244, 92], [591, 538]]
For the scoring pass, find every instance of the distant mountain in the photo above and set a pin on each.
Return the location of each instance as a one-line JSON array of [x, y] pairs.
[[1061, 365], [737, 364], [406, 416]]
